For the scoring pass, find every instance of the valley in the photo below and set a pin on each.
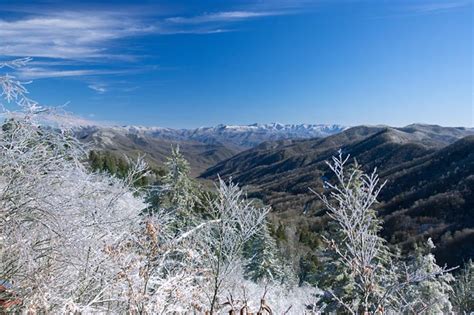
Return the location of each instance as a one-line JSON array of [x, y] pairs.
[[428, 172]]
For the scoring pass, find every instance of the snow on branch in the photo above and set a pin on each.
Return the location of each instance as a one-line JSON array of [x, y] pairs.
[[364, 275]]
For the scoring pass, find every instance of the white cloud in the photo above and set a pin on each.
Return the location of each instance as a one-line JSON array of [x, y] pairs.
[[66, 43], [99, 88], [433, 7], [227, 16], [83, 35], [30, 73], [68, 35]]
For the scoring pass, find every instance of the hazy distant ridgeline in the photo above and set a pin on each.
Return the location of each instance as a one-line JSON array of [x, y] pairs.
[[203, 147], [156, 150]]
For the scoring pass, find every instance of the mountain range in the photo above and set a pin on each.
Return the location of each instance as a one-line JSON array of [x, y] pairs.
[[203, 147], [429, 174], [428, 169]]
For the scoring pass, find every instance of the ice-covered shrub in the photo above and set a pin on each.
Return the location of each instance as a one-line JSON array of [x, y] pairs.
[[360, 273]]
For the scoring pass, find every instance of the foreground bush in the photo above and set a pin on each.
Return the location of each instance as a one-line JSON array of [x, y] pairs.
[[74, 240]]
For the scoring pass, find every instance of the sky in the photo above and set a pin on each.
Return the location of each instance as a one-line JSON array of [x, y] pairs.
[[186, 64]]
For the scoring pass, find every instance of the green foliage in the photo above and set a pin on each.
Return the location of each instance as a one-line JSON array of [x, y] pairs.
[[181, 189], [280, 233], [265, 262], [177, 192], [462, 296], [360, 274], [335, 276], [106, 161], [309, 238], [430, 295], [309, 267]]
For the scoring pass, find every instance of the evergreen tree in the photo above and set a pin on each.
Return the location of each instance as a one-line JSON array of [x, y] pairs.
[[94, 160], [280, 233], [309, 269], [265, 262], [463, 290], [334, 277], [177, 192], [432, 294], [177, 182], [122, 167], [348, 236], [360, 274]]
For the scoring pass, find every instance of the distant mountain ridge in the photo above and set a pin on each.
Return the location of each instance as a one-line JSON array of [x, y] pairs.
[[119, 141], [203, 147], [380, 146], [238, 136]]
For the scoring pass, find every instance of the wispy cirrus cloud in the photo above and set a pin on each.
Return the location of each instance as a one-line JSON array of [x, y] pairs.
[[226, 16], [68, 35], [434, 7], [68, 42], [83, 34], [424, 8], [30, 73], [99, 88], [86, 35]]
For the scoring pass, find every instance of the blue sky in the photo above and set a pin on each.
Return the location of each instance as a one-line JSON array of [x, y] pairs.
[[201, 63]]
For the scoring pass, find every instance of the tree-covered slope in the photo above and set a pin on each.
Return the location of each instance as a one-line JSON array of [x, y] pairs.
[[433, 195], [428, 171], [121, 142]]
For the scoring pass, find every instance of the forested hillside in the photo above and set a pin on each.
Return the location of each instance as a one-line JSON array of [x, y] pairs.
[[433, 196], [120, 143], [428, 170]]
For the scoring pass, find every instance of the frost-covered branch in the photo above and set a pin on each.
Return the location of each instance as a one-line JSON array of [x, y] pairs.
[[13, 90], [361, 273], [238, 220]]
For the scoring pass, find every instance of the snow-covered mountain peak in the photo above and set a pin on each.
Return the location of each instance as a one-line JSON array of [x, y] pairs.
[[244, 136]]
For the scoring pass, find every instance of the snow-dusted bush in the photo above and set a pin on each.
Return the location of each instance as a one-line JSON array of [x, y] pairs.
[[281, 299], [56, 218], [236, 221], [431, 293], [360, 273]]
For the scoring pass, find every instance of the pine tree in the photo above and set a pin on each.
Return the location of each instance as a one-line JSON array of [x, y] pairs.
[[280, 233], [178, 182], [110, 164], [334, 278], [309, 269], [360, 273], [355, 258], [463, 290], [432, 294], [177, 192], [265, 263]]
